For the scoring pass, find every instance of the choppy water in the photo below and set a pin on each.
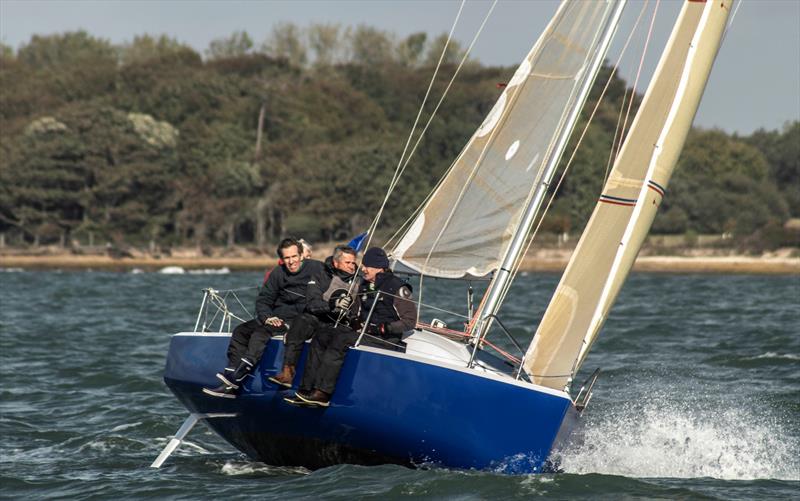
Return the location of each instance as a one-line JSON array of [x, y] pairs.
[[699, 396]]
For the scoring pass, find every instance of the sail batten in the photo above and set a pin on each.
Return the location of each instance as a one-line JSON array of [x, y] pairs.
[[630, 198]]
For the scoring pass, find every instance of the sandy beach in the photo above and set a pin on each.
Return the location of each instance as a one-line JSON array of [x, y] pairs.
[[546, 260]]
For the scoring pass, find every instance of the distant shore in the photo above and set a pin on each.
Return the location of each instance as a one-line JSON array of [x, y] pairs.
[[546, 260]]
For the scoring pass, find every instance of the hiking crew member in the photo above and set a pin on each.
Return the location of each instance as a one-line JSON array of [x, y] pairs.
[[279, 302], [394, 313], [326, 299]]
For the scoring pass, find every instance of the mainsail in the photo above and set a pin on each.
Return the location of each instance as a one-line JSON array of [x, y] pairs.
[[466, 227], [631, 196]]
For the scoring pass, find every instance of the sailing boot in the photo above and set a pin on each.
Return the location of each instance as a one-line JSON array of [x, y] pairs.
[[236, 379], [316, 398], [227, 374], [285, 378], [222, 391]]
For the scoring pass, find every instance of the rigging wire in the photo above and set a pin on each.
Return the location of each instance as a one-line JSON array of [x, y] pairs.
[[400, 166], [611, 155], [446, 90], [730, 22], [474, 169], [401, 170], [636, 80], [430, 120]]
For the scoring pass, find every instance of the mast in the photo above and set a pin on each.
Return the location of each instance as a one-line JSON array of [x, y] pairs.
[[502, 279]]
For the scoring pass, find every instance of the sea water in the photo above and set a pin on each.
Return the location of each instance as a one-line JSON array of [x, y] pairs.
[[699, 395]]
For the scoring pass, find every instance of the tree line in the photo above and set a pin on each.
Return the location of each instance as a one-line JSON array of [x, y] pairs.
[[150, 141]]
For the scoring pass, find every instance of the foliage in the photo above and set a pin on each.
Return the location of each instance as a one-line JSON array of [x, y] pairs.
[[149, 142]]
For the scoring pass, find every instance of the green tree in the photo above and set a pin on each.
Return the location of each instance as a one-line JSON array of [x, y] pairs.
[[371, 47], [782, 151], [67, 49], [238, 43], [723, 185], [410, 50], [145, 48], [325, 43], [453, 53], [286, 41], [6, 53]]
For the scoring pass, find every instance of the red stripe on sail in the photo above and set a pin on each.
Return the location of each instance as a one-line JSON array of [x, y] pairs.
[[626, 204]]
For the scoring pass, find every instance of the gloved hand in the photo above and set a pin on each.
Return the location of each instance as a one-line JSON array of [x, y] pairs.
[[343, 303]]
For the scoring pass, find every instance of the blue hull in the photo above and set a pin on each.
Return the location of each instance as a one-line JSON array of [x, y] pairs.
[[387, 408]]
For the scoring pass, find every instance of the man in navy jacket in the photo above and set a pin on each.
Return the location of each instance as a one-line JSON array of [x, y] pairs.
[[279, 302]]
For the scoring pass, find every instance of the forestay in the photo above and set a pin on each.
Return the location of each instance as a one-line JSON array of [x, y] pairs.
[[467, 225], [630, 198]]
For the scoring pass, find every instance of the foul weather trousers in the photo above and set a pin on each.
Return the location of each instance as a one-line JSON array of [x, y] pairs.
[[327, 353], [303, 328], [249, 340]]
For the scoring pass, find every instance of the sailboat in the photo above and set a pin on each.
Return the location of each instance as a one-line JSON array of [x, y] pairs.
[[449, 399]]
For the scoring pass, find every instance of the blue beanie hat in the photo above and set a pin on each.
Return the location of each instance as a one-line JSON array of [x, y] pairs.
[[375, 257]]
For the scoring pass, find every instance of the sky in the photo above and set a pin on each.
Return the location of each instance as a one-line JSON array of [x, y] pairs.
[[755, 82]]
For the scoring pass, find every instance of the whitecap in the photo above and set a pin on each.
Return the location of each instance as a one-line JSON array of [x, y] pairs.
[[125, 426], [172, 270], [772, 354], [211, 271], [234, 468]]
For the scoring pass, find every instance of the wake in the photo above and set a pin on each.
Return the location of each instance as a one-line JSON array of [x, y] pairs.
[[665, 439]]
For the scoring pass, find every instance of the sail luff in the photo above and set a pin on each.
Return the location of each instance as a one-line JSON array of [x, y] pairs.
[[630, 199]]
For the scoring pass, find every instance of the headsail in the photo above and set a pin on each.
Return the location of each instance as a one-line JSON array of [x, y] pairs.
[[630, 198], [467, 225]]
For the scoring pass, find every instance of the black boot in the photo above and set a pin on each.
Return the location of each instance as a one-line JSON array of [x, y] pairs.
[[236, 379], [223, 391], [227, 374]]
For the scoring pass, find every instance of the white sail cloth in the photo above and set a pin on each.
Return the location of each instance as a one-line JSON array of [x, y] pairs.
[[467, 225], [630, 198]]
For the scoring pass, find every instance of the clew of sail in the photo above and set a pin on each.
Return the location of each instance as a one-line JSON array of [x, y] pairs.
[[467, 225], [630, 198]]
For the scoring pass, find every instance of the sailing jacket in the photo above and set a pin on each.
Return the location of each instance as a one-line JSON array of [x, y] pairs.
[[394, 311], [330, 284], [284, 294]]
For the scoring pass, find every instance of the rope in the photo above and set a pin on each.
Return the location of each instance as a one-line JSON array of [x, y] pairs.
[[466, 336]]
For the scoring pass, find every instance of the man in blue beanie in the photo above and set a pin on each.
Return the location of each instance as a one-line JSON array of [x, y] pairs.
[[388, 298]]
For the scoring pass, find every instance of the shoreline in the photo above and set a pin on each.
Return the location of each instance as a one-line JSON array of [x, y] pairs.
[[777, 265]]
